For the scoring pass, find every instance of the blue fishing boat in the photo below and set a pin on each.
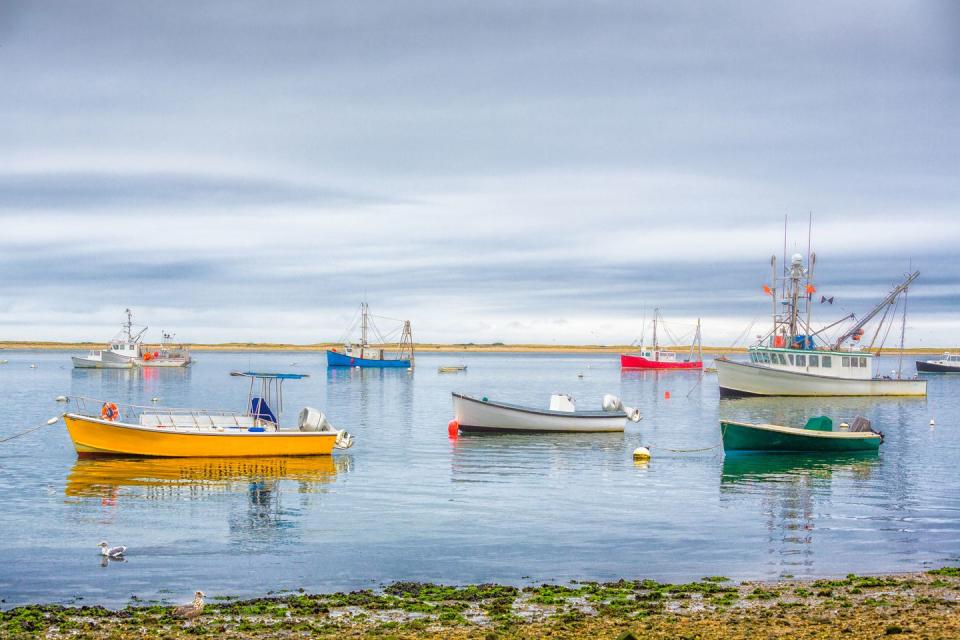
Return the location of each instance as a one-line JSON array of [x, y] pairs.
[[362, 354]]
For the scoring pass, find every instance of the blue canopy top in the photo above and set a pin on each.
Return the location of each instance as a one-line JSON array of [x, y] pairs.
[[270, 376]]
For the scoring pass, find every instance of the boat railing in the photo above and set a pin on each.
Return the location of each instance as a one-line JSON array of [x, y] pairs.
[[174, 417]]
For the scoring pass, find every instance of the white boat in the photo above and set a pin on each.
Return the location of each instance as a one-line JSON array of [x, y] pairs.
[[127, 351], [480, 414], [793, 359], [749, 379]]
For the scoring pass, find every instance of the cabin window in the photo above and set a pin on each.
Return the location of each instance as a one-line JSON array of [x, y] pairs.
[[814, 361], [845, 361], [863, 361], [801, 360], [783, 359], [854, 362], [827, 361], [790, 356], [766, 357], [754, 357]]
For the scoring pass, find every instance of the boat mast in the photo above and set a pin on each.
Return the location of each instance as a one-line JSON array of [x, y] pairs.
[[811, 261], [699, 343], [891, 297], [773, 293], [406, 341], [129, 326], [903, 333], [363, 324], [796, 273], [656, 349]]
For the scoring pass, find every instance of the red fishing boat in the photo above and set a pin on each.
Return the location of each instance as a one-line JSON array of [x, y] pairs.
[[655, 358]]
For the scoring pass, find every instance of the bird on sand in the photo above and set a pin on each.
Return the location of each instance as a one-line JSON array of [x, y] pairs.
[[193, 609], [114, 553]]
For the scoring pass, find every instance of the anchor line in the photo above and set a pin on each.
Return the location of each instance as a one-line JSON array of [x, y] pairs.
[[32, 429]]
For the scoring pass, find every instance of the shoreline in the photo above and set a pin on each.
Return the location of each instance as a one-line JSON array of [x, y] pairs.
[[14, 345], [923, 604]]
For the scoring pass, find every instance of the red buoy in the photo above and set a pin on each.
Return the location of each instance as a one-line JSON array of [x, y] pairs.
[[453, 428], [666, 395]]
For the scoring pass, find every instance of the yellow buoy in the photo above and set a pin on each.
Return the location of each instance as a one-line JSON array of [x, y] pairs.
[[641, 453]]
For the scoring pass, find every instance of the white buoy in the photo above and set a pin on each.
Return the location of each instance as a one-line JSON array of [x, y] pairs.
[[155, 399], [579, 375], [62, 398], [932, 422], [641, 453]]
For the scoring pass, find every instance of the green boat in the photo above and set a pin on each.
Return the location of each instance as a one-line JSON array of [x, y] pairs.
[[818, 435]]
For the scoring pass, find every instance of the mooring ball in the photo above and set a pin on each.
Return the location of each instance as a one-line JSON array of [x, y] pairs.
[[641, 453]]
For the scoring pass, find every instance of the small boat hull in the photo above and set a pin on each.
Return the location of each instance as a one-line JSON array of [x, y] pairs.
[[630, 361], [745, 379], [92, 436], [475, 415], [743, 436], [336, 359], [936, 367]]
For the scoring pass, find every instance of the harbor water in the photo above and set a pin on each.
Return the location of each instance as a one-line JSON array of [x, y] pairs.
[[408, 502]]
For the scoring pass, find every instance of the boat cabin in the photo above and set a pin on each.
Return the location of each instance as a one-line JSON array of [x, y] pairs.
[[836, 364], [359, 351], [658, 356]]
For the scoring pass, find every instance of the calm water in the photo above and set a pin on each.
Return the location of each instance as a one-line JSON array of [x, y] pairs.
[[408, 503]]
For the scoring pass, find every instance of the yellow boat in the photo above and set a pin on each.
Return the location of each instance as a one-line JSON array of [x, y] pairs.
[[177, 433]]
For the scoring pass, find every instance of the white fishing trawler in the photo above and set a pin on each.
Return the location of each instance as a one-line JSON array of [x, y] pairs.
[[127, 351], [793, 359], [168, 355]]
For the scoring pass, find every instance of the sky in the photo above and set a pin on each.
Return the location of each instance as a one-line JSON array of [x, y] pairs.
[[535, 172]]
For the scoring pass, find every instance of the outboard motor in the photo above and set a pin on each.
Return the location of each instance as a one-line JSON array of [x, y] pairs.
[[612, 403], [314, 420]]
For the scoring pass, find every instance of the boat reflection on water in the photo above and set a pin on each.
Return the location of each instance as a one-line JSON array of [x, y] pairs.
[[173, 478], [752, 467], [788, 487], [503, 457]]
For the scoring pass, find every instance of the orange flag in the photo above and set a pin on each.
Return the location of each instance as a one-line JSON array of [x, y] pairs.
[[811, 289], [767, 290]]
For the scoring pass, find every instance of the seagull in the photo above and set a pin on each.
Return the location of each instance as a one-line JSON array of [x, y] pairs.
[[114, 553], [193, 609]]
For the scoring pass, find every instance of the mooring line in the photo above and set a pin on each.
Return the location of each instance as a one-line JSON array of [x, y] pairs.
[[32, 429]]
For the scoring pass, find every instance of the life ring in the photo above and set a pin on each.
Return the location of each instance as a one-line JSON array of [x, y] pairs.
[[109, 411]]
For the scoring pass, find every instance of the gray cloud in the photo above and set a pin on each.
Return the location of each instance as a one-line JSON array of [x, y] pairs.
[[490, 168]]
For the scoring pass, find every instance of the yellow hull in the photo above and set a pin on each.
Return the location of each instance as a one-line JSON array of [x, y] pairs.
[[94, 436]]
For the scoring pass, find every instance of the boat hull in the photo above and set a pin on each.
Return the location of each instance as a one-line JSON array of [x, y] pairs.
[[107, 361], [933, 367], [629, 361], [92, 436], [475, 415], [335, 359], [744, 379], [162, 363], [742, 436]]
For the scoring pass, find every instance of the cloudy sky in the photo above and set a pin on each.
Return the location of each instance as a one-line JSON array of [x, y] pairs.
[[493, 171]]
